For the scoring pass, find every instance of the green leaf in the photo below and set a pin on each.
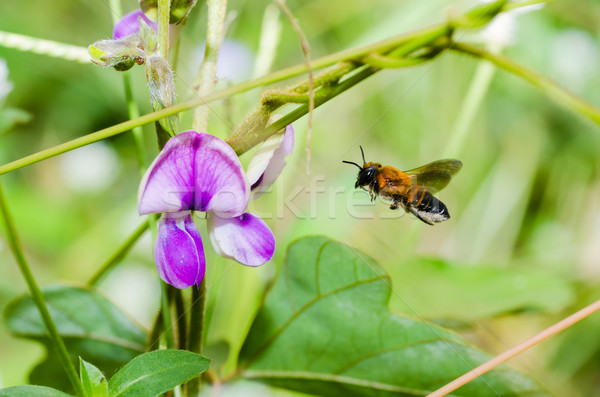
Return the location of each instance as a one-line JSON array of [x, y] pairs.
[[29, 391], [156, 372], [92, 327], [471, 292], [325, 329], [92, 379]]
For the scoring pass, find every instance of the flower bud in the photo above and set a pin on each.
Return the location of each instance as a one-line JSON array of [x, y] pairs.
[[121, 54], [162, 89]]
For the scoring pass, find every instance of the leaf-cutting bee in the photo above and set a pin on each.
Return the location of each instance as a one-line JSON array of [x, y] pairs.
[[412, 190]]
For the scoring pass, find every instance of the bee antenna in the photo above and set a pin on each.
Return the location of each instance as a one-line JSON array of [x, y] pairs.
[[363, 154], [350, 162]]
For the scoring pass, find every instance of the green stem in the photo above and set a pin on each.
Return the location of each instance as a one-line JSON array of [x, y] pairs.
[[164, 13], [44, 47], [352, 54], [470, 107], [553, 90], [243, 143], [166, 314], [196, 333], [208, 70], [119, 254], [134, 112], [153, 342], [37, 296], [180, 312], [227, 92]]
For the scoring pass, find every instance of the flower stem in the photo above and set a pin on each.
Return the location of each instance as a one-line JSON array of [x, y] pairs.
[[196, 330], [37, 296], [181, 314], [120, 253], [553, 90], [166, 315], [208, 69], [164, 12], [243, 143], [384, 47], [44, 47]]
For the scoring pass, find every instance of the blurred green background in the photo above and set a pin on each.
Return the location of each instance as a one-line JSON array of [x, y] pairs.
[[521, 251]]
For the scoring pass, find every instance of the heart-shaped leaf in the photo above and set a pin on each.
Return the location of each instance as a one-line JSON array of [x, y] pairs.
[[156, 372], [325, 329], [91, 326]]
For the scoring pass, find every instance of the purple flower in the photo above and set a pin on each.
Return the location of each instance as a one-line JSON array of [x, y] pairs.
[[269, 160], [130, 24], [246, 238], [199, 172]]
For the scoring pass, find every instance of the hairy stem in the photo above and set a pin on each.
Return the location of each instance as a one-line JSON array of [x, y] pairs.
[[208, 70], [37, 296], [164, 12]]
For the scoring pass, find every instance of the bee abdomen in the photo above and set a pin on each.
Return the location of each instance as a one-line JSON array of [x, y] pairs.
[[428, 208]]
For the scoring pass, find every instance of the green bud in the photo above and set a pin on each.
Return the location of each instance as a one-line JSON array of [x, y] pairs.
[[148, 37], [121, 54], [162, 89]]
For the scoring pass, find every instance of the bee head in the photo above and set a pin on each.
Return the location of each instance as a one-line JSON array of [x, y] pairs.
[[366, 173]]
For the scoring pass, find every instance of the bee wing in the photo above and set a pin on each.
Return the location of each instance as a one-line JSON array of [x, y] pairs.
[[434, 176]]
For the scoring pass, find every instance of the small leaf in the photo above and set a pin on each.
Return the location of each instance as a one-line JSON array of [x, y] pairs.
[[91, 326], [325, 329], [29, 391], [92, 379], [156, 372]]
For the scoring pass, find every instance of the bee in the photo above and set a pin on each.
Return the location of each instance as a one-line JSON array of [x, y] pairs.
[[411, 190]]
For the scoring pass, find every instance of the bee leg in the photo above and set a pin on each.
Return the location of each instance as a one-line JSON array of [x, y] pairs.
[[394, 206]]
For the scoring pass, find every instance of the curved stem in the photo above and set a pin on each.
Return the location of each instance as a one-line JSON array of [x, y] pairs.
[[553, 90], [120, 253], [37, 296], [383, 46], [518, 349]]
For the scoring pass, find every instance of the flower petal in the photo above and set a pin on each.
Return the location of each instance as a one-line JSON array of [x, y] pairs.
[[178, 251], [269, 160], [194, 171], [168, 185], [245, 238], [130, 24], [221, 184]]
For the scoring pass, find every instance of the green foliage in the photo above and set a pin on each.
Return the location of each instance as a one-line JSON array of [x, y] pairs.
[[93, 380], [91, 326], [325, 329], [473, 292], [156, 372], [30, 390]]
